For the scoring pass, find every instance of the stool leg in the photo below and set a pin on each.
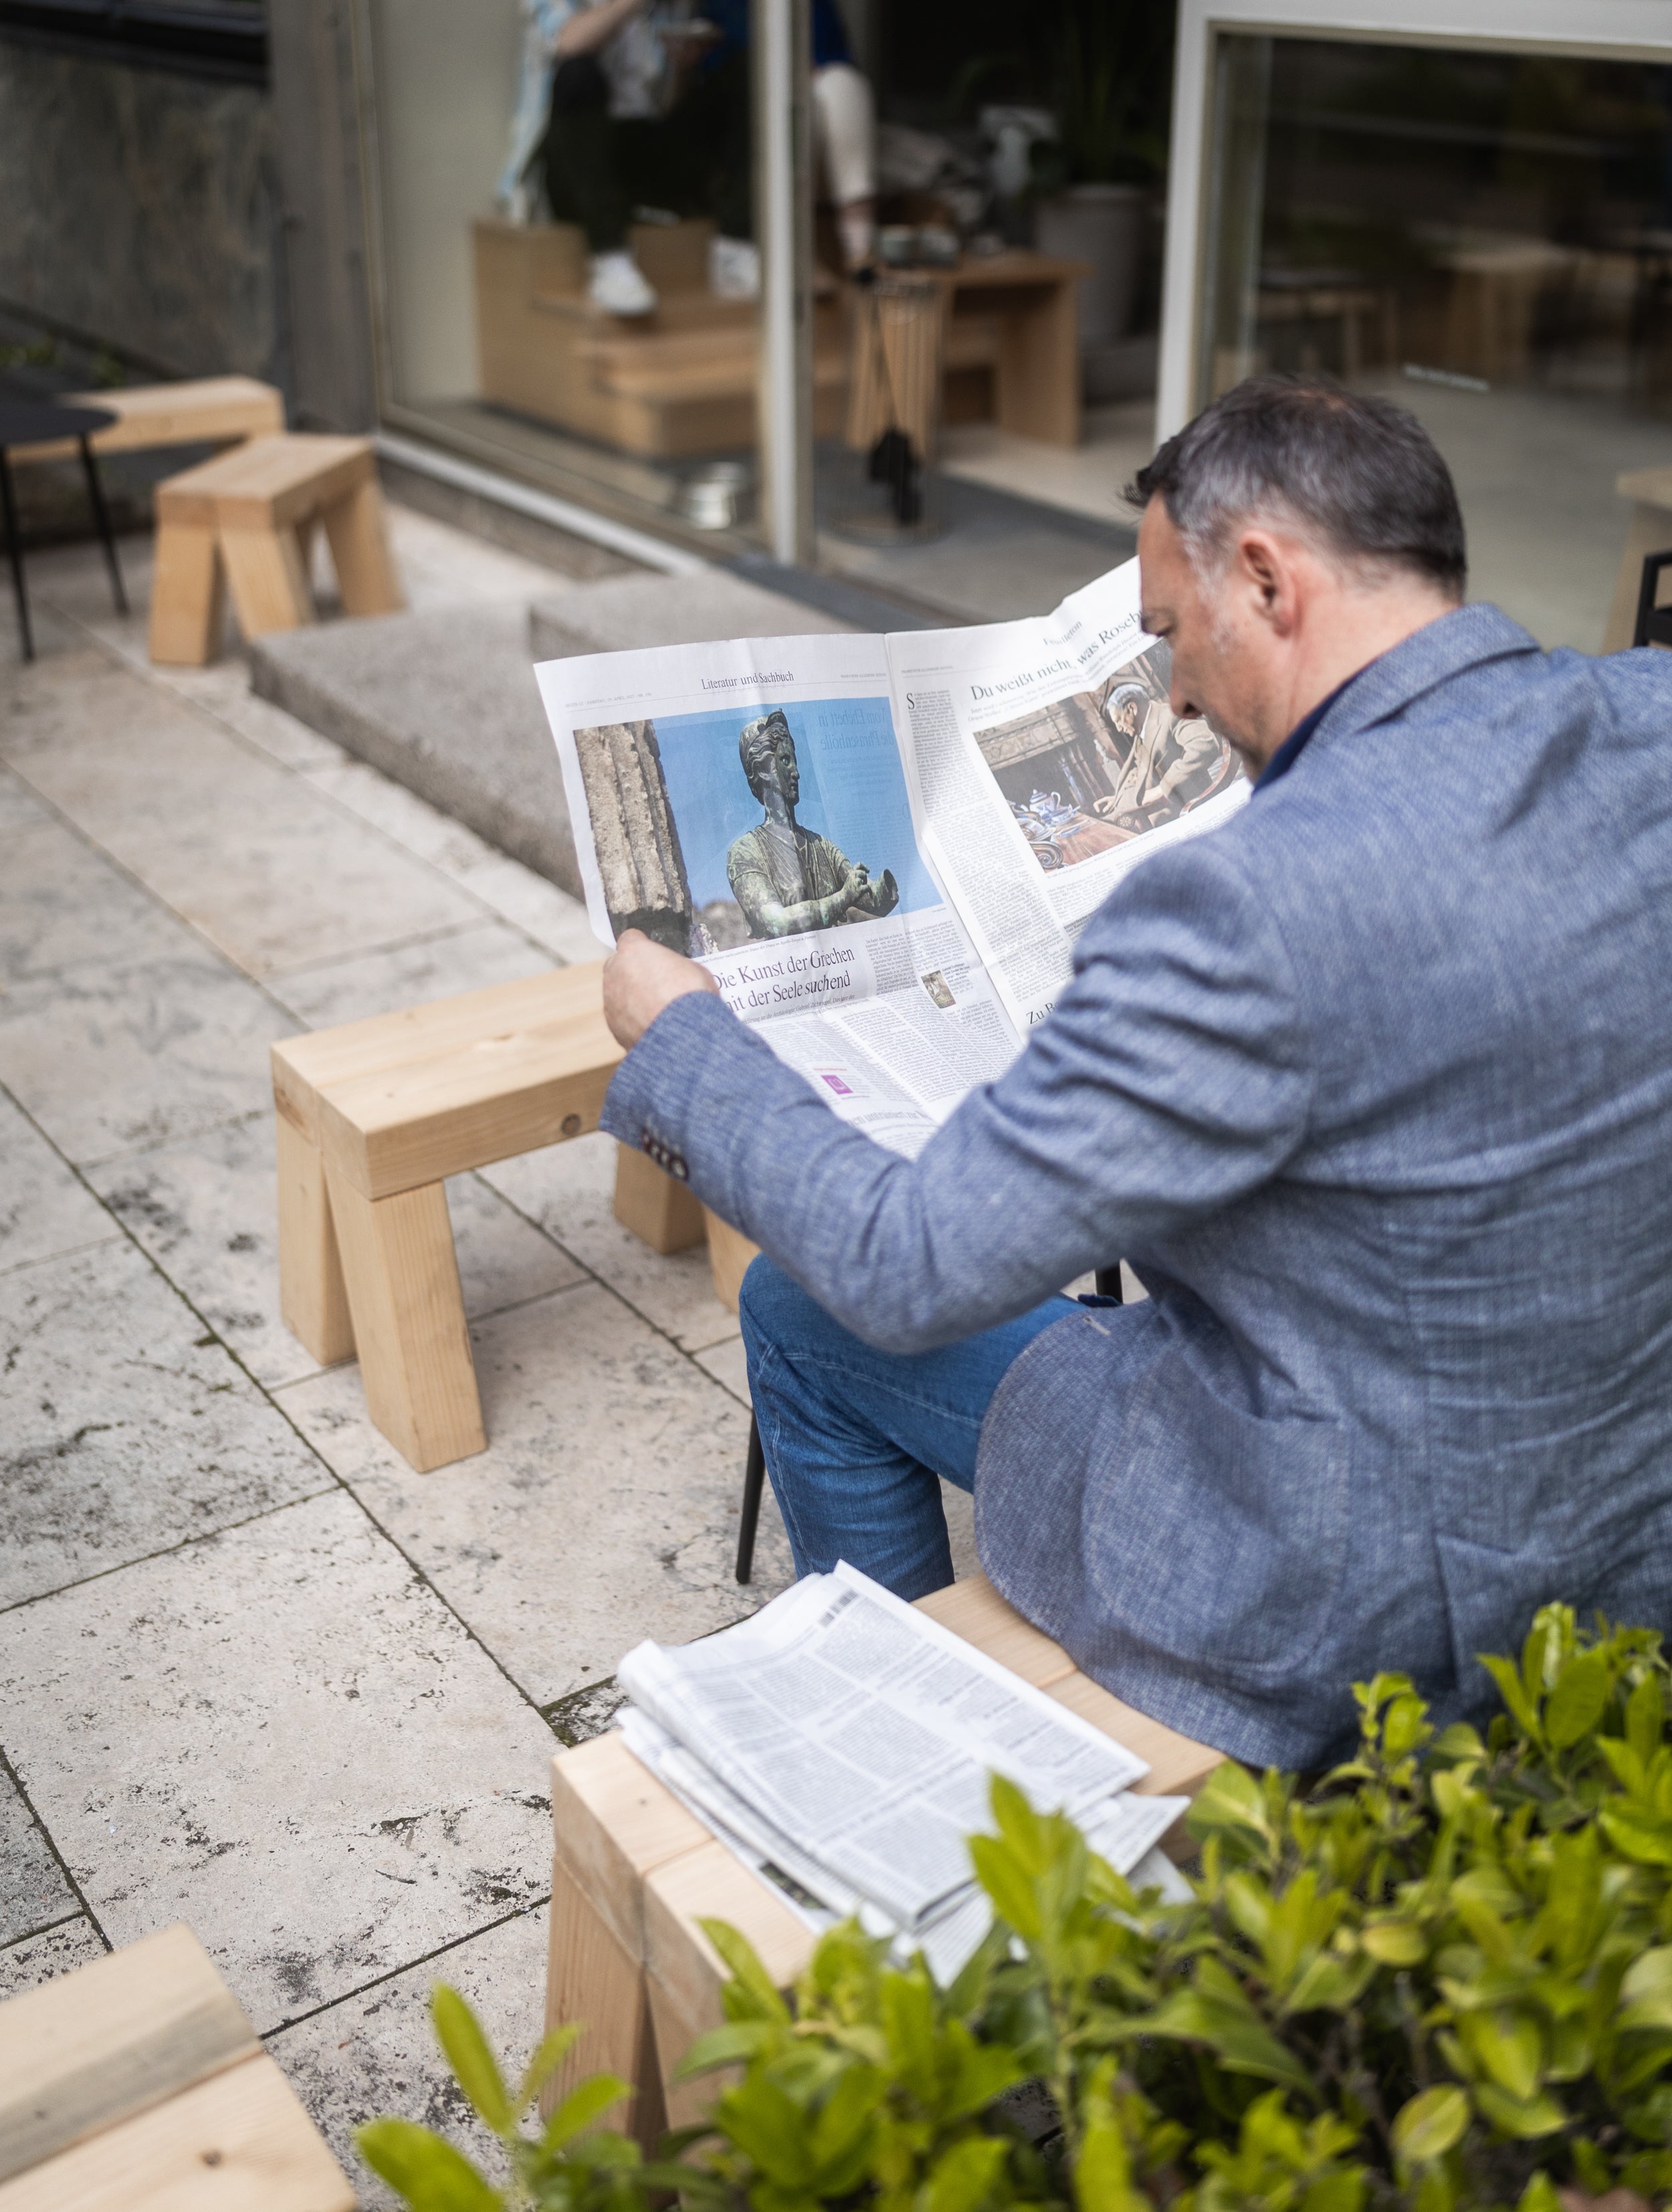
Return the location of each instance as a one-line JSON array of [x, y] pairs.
[[729, 1254], [14, 549], [95, 499], [754, 1482], [360, 551], [653, 1206], [408, 1320], [312, 1296], [186, 596], [269, 585], [589, 1977]]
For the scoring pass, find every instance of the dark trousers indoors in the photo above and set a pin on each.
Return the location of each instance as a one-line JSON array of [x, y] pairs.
[[693, 161]]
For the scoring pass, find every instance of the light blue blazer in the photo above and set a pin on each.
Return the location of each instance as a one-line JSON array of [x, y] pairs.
[[1373, 1087]]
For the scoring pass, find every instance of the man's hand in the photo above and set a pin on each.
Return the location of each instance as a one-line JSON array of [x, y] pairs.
[[640, 978]]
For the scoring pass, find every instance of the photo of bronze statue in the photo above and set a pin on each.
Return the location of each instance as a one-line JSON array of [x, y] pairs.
[[786, 878]]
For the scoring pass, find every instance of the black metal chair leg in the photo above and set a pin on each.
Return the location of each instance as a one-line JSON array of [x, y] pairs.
[[95, 494], [1108, 1280], [754, 1482], [15, 548]]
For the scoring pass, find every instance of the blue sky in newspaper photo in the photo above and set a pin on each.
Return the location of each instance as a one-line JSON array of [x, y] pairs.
[[853, 790]]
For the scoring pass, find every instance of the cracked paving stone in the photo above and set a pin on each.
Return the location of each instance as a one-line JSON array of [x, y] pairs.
[[33, 1893], [603, 1509], [281, 1735], [126, 1429], [44, 1208], [43, 1957]]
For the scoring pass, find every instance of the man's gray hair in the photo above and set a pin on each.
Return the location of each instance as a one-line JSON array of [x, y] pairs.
[[1356, 474]]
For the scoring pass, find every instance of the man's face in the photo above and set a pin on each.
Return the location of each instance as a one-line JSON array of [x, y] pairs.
[[1125, 718], [1221, 655]]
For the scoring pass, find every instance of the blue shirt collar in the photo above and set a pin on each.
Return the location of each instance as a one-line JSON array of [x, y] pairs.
[[1300, 737]]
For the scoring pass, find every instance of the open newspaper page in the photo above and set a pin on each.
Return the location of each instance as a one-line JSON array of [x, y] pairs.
[[745, 803], [1044, 762], [847, 1739]]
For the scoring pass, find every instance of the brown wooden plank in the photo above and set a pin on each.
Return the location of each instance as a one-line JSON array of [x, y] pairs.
[[593, 1980], [1179, 1764], [186, 595], [203, 410], [729, 1254], [267, 481], [312, 1296], [239, 2143], [81, 2053], [267, 579], [612, 1821], [360, 550], [657, 1208], [974, 1610]]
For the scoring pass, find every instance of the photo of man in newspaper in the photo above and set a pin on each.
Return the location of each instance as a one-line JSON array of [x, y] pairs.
[[1088, 772], [786, 878]]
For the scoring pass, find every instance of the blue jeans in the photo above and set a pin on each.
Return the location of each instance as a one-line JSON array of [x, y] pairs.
[[856, 1440]]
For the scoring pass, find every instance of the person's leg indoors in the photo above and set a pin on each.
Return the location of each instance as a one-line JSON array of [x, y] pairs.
[[856, 1441]]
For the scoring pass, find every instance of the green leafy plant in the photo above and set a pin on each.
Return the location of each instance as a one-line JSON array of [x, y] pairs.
[[1440, 1977]]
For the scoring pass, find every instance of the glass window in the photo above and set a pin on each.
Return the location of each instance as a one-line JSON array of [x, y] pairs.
[[1486, 237]]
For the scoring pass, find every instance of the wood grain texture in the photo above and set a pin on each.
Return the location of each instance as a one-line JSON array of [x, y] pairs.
[[79, 2054], [187, 593], [360, 551], [239, 2143], [729, 1253], [268, 483], [592, 1979], [973, 1609], [612, 1821], [660, 1211], [314, 1298], [268, 583], [205, 411], [408, 1312]]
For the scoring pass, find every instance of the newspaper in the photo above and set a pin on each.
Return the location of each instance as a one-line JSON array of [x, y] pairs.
[[842, 1743], [884, 848]]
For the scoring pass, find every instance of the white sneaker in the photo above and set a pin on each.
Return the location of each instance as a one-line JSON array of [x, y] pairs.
[[617, 285], [734, 269]]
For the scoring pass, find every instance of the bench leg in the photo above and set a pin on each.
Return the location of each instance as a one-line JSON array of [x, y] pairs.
[[360, 550], [269, 584], [186, 596], [590, 1977], [313, 1298], [653, 1206], [1038, 367], [408, 1320], [729, 1253]]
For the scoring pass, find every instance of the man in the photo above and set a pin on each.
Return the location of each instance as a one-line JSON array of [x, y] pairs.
[[1165, 771], [1373, 1087], [788, 878]]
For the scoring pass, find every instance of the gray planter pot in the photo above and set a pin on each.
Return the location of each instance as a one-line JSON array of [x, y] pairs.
[[1102, 224]]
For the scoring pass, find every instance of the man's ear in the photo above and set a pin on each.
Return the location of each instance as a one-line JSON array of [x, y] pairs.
[[1267, 568]]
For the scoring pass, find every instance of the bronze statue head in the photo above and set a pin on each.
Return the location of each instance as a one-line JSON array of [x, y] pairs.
[[768, 753]]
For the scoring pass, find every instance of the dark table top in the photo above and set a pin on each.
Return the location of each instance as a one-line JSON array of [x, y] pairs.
[[31, 422]]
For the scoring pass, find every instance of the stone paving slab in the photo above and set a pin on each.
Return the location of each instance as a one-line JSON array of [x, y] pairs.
[[114, 1060], [270, 870], [282, 1736], [376, 2054], [207, 1213], [127, 1428], [468, 959], [43, 1957], [45, 1206], [61, 906], [33, 1893], [603, 1509], [569, 1191], [19, 807]]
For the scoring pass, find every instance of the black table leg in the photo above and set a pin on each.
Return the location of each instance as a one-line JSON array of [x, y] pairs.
[[754, 1481], [95, 494], [15, 548]]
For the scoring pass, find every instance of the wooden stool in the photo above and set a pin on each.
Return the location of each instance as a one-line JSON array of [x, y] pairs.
[[135, 2084], [373, 1117], [207, 410], [250, 514], [633, 1872]]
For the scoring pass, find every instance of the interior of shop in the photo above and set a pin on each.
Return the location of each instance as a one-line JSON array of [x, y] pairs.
[[1485, 236], [563, 237]]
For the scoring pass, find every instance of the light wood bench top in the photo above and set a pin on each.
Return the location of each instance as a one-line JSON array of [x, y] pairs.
[[138, 2085], [268, 483], [205, 411]]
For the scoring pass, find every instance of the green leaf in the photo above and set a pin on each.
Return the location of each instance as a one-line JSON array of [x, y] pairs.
[[1230, 1798], [730, 2045], [750, 1976], [1507, 1676], [548, 2055], [1638, 1834], [1394, 1943], [1645, 1717], [425, 2169], [1430, 2124], [469, 2053], [1513, 2115], [581, 2108], [1575, 1705], [1508, 2047], [1001, 1875], [768, 2127], [962, 2177]]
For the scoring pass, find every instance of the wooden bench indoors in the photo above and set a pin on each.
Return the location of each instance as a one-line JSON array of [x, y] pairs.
[[135, 2084], [374, 1116], [249, 516], [633, 1872]]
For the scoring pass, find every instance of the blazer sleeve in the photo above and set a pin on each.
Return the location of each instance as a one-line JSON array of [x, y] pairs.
[[1175, 1076]]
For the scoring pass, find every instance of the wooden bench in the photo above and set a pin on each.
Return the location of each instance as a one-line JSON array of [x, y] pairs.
[[248, 516], [633, 1872], [209, 410], [374, 1116], [135, 2084]]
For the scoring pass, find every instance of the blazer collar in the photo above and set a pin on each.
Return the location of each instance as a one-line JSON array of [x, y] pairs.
[[1443, 648]]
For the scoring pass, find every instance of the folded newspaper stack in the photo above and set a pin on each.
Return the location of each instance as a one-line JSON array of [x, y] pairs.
[[841, 1742]]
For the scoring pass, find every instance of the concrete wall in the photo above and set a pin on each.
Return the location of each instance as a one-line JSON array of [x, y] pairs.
[[445, 87], [142, 207]]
